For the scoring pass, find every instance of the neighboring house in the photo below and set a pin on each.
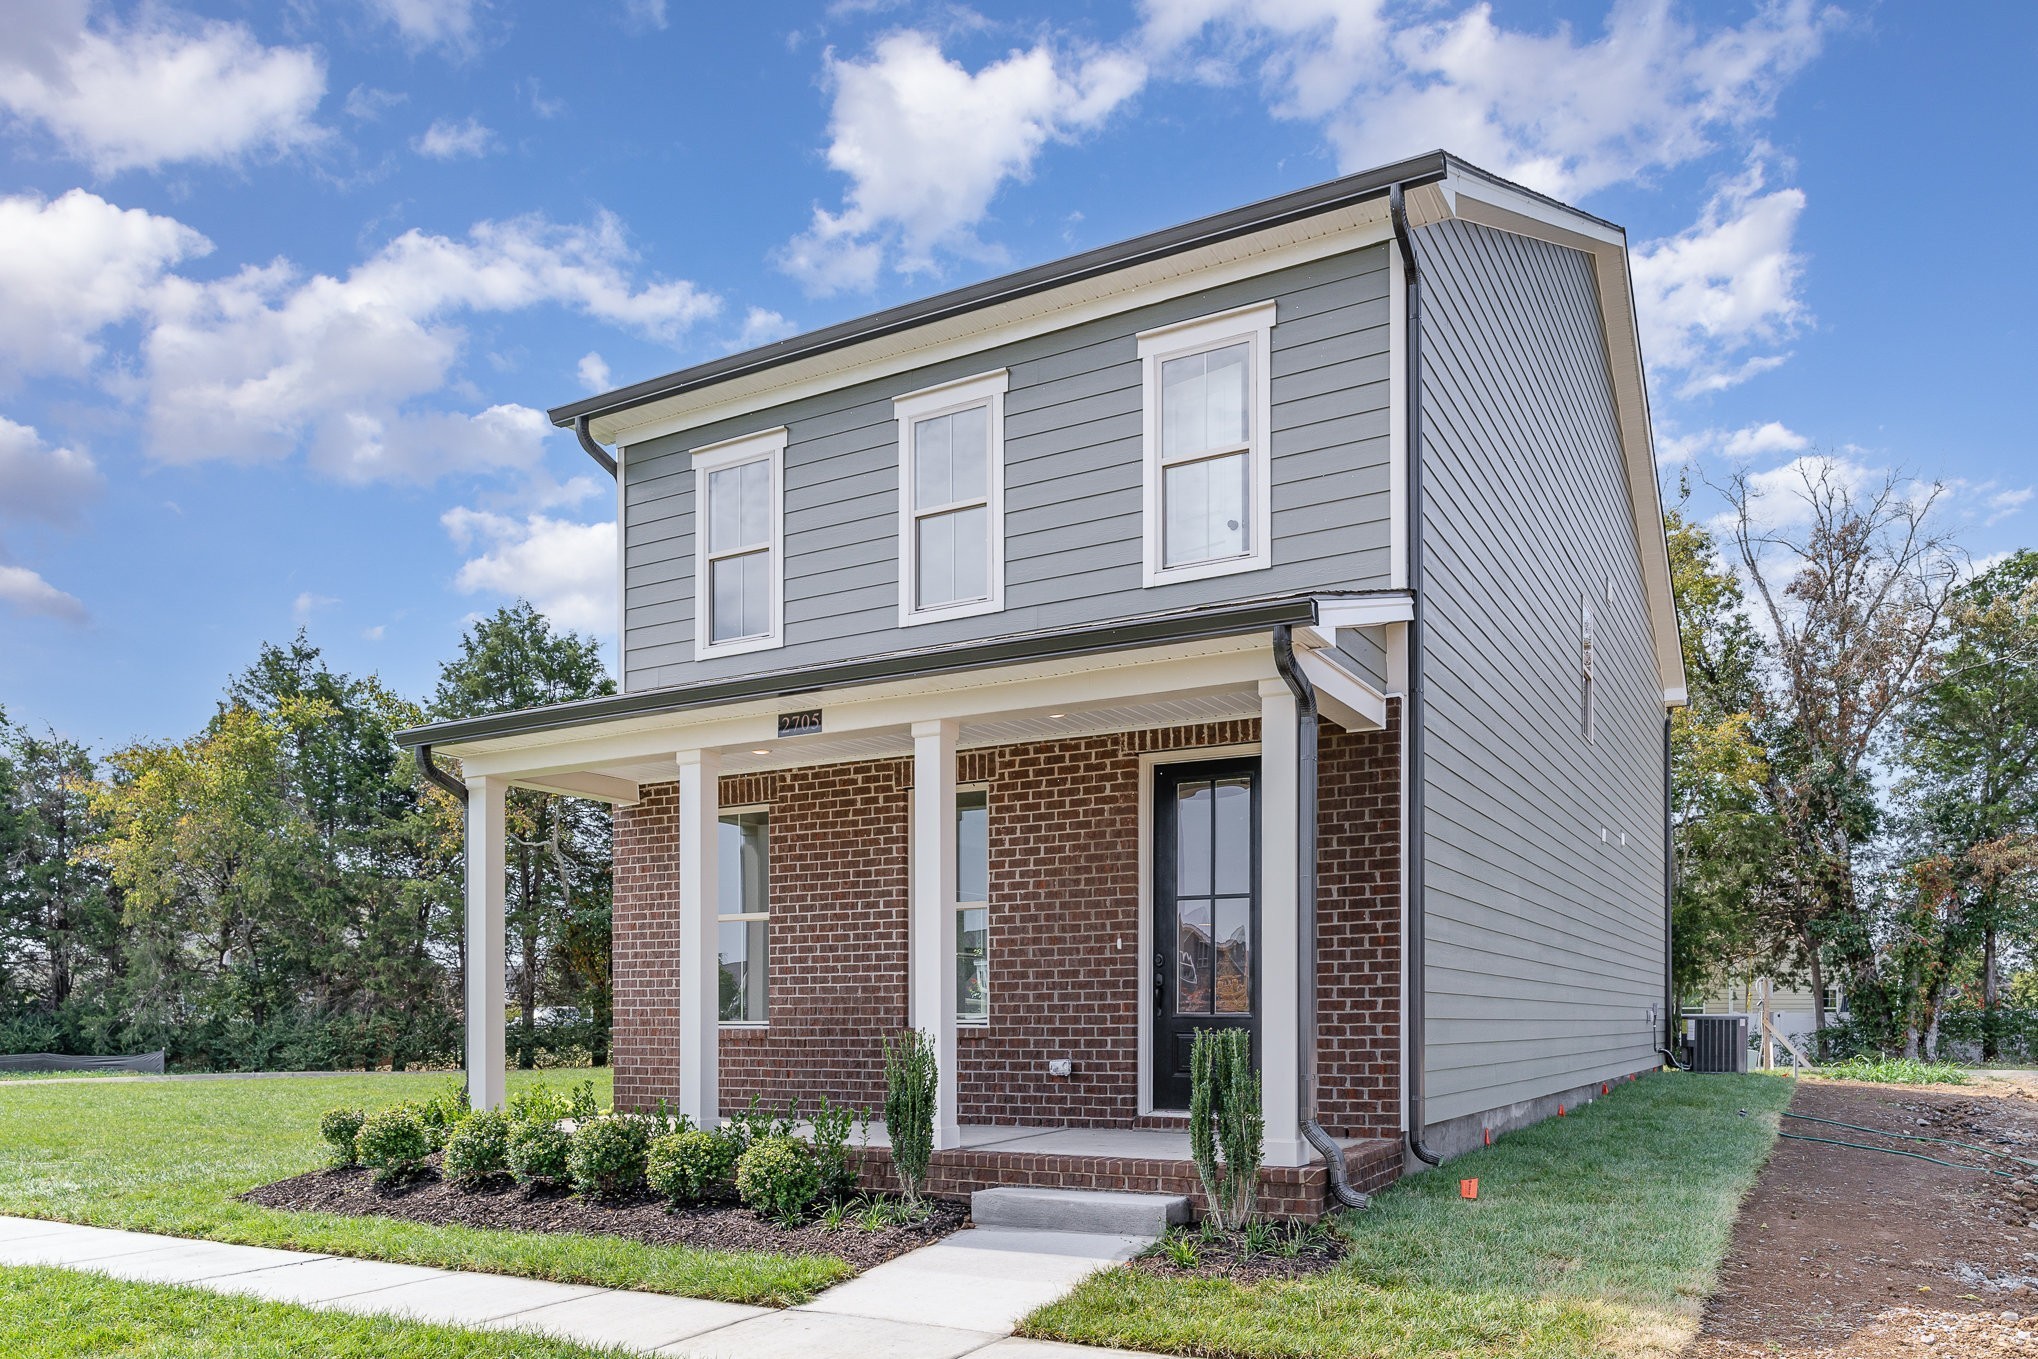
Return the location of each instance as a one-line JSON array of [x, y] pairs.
[[1076, 660], [1790, 1003]]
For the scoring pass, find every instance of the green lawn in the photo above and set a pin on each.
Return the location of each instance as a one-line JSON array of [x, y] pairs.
[[171, 1156], [61, 1314], [1593, 1235]]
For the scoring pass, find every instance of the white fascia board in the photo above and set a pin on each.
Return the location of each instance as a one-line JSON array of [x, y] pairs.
[[1185, 668], [1506, 208], [984, 328], [1342, 696], [1372, 611]]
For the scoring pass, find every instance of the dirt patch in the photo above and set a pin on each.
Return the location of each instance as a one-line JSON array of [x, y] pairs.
[[1858, 1254], [642, 1217]]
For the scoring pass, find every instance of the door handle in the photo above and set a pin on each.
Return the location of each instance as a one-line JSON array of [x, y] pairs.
[[1160, 981]]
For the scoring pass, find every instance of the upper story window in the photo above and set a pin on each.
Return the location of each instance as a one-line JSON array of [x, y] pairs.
[[739, 568], [1208, 491], [952, 499]]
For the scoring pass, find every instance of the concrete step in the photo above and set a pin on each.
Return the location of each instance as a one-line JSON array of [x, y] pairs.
[[1077, 1210]]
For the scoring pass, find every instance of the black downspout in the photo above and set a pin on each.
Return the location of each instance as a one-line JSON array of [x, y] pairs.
[[430, 769], [1412, 704], [594, 450], [1305, 904], [1669, 1048]]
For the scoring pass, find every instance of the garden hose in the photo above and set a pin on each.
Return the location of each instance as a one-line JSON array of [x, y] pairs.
[[1914, 1155], [1917, 1137]]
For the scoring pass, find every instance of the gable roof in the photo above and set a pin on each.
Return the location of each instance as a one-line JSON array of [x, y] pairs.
[[1437, 186]]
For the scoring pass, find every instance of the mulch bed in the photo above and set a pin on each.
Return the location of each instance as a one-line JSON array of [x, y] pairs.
[[1846, 1254], [641, 1217], [1227, 1258]]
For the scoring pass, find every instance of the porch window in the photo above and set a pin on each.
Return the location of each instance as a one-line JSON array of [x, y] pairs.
[[972, 907], [743, 857], [1207, 464], [951, 499], [738, 572]]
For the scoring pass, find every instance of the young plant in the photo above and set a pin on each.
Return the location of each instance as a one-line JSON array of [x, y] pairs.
[[778, 1178], [339, 1128], [607, 1156], [538, 1154], [394, 1145], [1182, 1251], [831, 1149], [478, 1150], [1227, 1130], [912, 1076], [689, 1166]]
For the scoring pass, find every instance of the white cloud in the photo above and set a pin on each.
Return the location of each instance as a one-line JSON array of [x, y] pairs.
[[41, 482], [306, 604], [567, 570], [1558, 114], [430, 23], [366, 103], [28, 593], [1727, 283], [446, 139], [160, 90], [1778, 498], [257, 365], [1754, 441], [2003, 504], [375, 633], [927, 144], [640, 15], [593, 371], [761, 325], [70, 267]]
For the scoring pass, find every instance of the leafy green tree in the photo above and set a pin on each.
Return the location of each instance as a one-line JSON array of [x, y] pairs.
[[1971, 756], [558, 898]]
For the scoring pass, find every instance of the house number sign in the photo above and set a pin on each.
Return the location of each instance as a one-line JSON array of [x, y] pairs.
[[807, 723]]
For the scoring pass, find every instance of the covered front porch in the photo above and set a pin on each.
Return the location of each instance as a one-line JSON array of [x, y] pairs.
[[1056, 1081]]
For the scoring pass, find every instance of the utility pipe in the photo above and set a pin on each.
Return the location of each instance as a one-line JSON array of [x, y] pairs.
[[1668, 1050], [1413, 704], [1305, 909]]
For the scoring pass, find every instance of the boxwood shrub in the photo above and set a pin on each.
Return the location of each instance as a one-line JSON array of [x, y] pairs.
[[537, 1153], [339, 1128], [393, 1144], [690, 1166], [779, 1178], [607, 1156], [478, 1150]]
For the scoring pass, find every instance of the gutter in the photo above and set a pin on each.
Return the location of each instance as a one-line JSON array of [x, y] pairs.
[[1305, 901], [1414, 710], [1669, 1048], [602, 456], [430, 769]]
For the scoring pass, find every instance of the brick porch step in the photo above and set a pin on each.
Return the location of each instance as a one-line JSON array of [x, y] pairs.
[[1100, 1211]]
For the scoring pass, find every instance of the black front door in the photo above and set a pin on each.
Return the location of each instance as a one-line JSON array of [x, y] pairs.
[[1206, 912]]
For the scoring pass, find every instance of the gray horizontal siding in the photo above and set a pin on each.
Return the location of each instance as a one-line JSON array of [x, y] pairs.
[[1545, 941], [1072, 484]]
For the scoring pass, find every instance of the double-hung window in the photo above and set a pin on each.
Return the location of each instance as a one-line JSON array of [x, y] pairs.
[[1208, 468], [739, 567], [972, 906], [952, 499], [743, 909]]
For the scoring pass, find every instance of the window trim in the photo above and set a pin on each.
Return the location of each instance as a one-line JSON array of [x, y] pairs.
[[763, 446], [958, 905], [765, 916], [981, 389], [1253, 324]]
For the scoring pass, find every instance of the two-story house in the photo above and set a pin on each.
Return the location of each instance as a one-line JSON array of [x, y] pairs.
[[1265, 622]]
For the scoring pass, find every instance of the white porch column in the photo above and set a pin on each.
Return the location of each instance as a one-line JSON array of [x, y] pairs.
[[1280, 932], [931, 918], [700, 814], [486, 1055]]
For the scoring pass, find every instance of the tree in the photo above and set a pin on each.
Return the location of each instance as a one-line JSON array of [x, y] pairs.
[[559, 848], [1852, 580], [1971, 753], [1724, 839]]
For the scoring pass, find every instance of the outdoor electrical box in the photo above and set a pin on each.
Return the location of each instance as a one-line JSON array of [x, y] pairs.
[[1718, 1042]]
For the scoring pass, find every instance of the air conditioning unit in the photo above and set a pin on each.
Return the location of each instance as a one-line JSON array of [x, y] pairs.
[[1718, 1042]]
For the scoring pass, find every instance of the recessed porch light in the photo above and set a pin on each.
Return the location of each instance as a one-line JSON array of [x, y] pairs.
[[760, 752], [1052, 716]]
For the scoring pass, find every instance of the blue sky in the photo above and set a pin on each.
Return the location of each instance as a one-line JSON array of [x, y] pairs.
[[283, 288]]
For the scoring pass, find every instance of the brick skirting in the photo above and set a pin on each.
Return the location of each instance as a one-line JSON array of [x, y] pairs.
[[1288, 1192]]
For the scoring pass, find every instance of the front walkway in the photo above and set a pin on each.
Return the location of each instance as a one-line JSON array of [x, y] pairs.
[[961, 1296]]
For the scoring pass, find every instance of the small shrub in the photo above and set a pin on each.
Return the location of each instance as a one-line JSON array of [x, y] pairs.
[[912, 1076], [831, 1150], [393, 1144], [478, 1150], [607, 1156], [689, 1166], [339, 1128], [581, 1103], [778, 1178], [538, 1154], [1227, 1129], [538, 1104]]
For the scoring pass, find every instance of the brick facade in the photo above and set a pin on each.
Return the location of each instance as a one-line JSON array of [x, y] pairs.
[[1065, 925]]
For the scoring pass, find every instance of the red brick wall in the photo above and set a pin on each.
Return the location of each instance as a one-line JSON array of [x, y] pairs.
[[1065, 919]]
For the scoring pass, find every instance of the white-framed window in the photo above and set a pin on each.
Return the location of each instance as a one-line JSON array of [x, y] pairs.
[[739, 549], [743, 915], [973, 906], [1588, 642], [1206, 408], [952, 499]]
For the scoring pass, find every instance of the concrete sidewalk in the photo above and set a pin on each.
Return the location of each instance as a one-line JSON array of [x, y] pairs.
[[960, 1296]]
